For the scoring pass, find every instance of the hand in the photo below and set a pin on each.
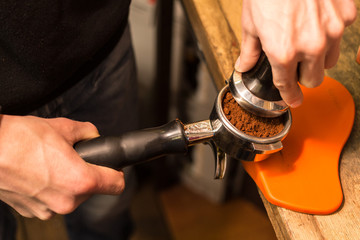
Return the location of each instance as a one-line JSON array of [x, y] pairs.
[[41, 173], [296, 35]]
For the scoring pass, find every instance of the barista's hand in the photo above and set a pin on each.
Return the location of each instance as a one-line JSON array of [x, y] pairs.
[[302, 34], [41, 173]]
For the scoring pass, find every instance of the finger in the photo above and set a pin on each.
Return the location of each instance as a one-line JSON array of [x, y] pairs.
[[20, 208], [249, 54], [108, 181], [285, 79], [46, 215], [74, 131], [23, 212], [39, 209], [334, 31], [312, 72], [28, 207], [83, 131], [42, 212], [67, 200], [348, 11], [332, 55]]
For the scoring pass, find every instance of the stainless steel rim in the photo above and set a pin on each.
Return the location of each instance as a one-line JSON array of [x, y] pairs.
[[252, 103], [240, 134]]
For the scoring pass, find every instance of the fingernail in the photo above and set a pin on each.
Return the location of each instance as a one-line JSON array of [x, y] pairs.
[[237, 64]]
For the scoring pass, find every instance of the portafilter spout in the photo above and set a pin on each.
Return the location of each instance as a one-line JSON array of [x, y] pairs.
[[255, 91], [175, 137]]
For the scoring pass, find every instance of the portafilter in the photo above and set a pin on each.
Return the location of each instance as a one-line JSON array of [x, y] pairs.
[[175, 137]]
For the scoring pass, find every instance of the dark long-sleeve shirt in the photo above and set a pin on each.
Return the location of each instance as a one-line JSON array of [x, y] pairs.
[[46, 46]]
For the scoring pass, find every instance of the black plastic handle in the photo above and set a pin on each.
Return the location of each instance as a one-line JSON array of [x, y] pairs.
[[259, 80], [134, 147]]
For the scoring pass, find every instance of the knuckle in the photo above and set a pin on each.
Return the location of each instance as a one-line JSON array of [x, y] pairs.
[[282, 85], [283, 58], [350, 15], [65, 205], [63, 121], [86, 185], [316, 48], [79, 182], [336, 29]]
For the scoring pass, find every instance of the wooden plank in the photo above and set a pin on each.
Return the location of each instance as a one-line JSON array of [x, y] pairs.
[[215, 37], [220, 56]]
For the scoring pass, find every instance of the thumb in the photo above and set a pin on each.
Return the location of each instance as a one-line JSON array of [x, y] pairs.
[[73, 131], [249, 54]]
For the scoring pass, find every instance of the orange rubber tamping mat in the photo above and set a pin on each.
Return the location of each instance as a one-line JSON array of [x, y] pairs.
[[304, 175]]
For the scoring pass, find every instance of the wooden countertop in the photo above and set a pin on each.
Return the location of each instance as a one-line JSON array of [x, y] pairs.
[[217, 26]]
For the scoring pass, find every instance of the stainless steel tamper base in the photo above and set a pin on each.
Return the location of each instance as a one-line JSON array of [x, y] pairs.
[[246, 99]]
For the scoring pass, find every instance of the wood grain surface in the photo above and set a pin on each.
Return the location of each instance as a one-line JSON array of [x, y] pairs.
[[217, 26], [212, 30]]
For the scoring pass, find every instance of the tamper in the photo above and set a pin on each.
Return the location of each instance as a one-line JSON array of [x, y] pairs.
[[255, 91]]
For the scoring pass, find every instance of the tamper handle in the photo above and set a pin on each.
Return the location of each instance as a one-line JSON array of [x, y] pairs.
[[259, 80], [134, 147]]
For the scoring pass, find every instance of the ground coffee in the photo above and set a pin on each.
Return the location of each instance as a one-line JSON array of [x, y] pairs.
[[250, 123]]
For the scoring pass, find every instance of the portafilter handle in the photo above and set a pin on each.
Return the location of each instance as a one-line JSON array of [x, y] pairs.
[[144, 145], [134, 147]]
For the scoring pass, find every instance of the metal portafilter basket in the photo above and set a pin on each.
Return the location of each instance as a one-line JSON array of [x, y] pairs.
[[175, 137]]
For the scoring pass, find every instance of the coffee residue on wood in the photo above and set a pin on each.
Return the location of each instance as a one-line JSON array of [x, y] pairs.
[[249, 123]]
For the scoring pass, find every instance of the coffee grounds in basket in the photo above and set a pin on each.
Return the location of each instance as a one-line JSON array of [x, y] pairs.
[[249, 123]]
